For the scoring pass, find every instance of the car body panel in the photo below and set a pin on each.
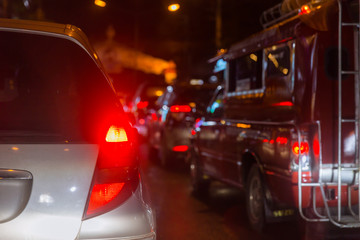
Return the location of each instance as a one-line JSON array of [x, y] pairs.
[[210, 147], [130, 222], [54, 210]]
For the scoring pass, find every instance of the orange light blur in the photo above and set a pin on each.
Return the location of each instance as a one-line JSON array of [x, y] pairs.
[[174, 7], [241, 125], [305, 9], [100, 3], [116, 134], [158, 93]]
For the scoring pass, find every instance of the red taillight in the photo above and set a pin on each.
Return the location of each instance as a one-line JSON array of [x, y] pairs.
[[283, 104], [193, 132], [282, 140], [116, 134], [180, 148], [142, 104], [316, 147], [180, 108], [154, 117], [102, 194], [116, 172], [304, 148]]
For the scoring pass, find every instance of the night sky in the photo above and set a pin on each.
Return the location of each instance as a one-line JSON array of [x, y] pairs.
[[186, 36]]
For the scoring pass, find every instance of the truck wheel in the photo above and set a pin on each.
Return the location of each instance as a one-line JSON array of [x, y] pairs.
[[200, 185], [255, 200]]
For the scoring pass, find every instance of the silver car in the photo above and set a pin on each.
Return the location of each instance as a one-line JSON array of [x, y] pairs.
[[68, 162]]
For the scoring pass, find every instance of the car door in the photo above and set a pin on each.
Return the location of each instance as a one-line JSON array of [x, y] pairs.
[[210, 146]]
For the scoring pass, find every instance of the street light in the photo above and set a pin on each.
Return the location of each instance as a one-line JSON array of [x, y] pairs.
[[100, 3], [174, 7]]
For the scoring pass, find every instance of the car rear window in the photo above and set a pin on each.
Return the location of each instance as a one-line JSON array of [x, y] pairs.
[[50, 90]]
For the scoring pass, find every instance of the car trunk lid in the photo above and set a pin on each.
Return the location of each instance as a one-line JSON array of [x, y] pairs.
[[44, 187]]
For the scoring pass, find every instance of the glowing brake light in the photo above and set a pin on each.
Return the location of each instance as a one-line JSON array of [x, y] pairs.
[[282, 140], [102, 194], [180, 108], [305, 9], [316, 147], [142, 104], [116, 134], [193, 132], [304, 148], [180, 148], [154, 117], [287, 103], [116, 174]]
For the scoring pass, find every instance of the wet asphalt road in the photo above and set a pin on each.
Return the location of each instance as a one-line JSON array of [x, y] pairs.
[[221, 215]]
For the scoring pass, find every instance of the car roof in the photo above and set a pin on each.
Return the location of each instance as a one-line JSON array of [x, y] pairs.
[[51, 29], [66, 31]]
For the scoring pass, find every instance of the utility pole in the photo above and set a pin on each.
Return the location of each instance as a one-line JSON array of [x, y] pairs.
[[218, 25]]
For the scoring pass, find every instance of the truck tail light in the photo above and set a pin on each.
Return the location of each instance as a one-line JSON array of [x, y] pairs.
[[301, 151], [116, 173], [304, 148]]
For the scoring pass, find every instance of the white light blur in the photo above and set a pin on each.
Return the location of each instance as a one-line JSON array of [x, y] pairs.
[[45, 198], [349, 144], [27, 4]]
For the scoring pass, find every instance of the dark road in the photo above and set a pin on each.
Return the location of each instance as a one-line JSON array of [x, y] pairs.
[[219, 216]]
